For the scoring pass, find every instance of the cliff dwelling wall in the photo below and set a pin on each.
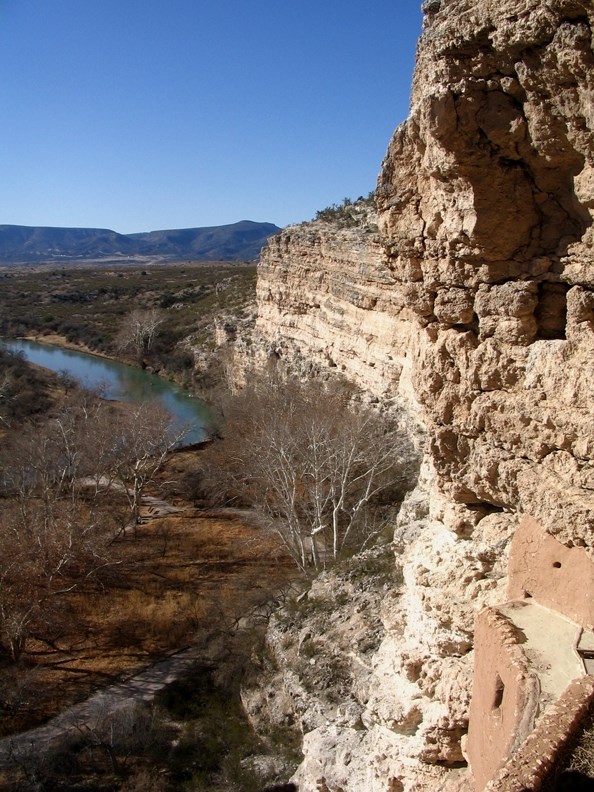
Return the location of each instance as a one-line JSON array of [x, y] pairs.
[[558, 577], [535, 762], [505, 695], [528, 651]]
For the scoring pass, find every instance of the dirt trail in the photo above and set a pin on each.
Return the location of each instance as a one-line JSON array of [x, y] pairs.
[[141, 687]]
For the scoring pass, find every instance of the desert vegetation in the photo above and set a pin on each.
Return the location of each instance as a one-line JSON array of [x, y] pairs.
[[84, 601], [107, 310], [24, 391], [91, 589], [349, 213], [319, 468], [70, 485], [194, 737]]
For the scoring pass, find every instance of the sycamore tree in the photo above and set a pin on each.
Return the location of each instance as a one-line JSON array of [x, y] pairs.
[[145, 435], [56, 522], [139, 329], [319, 468]]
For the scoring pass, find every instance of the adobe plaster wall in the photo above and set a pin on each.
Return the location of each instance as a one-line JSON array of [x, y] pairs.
[[505, 695], [535, 762], [526, 650], [559, 577]]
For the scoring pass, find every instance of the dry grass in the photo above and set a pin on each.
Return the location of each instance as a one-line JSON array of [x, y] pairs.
[[582, 757], [183, 578]]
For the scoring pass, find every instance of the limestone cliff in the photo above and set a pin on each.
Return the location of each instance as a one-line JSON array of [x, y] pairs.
[[486, 199], [324, 301], [475, 307]]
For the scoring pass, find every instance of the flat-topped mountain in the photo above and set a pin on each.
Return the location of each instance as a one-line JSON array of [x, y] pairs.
[[240, 241]]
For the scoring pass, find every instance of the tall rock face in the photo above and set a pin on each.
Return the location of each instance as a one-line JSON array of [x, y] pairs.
[[325, 302], [485, 201], [474, 306]]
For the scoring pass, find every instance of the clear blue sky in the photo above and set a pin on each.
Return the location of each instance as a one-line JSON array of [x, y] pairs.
[[138, 115]]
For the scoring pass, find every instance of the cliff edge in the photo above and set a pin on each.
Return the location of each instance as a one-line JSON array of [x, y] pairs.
[[473, 305], [485, 208]]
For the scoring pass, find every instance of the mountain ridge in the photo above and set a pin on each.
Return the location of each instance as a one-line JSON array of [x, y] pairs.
[[241, 241]]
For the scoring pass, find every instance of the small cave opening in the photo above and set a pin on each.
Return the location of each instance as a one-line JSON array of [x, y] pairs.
[[490, 508], [557, 564], [551, 311]]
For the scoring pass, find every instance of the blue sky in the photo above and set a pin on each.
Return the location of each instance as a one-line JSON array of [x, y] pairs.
[[138, 115]]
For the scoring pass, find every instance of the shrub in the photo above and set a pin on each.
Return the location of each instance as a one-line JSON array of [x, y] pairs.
[[347, 213]]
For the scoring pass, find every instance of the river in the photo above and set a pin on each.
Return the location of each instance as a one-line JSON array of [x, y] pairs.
[[119, 381]]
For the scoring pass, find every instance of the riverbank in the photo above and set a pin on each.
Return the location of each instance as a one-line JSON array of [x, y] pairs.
[[62, 342], [188, 579], [121, 382], [90, 311]]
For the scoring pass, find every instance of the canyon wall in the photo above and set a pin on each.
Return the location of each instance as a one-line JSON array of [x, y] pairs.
[[485, 207], [472, 305], [325, 303]]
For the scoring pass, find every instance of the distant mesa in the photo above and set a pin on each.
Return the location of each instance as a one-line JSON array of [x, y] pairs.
[[37, 244]]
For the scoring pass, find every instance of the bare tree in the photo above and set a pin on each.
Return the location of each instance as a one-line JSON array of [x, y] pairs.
[[68, 487], [139, 329], [23, 391], [55, 530], [318, 468], [145, 436], [6, 388], [130, 730]]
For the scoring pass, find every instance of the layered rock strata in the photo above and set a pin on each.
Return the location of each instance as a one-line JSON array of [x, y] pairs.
[[475, 307], [324, 302]]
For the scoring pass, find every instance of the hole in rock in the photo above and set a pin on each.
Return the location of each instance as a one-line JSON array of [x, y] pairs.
[[551, 311], [499, 690]]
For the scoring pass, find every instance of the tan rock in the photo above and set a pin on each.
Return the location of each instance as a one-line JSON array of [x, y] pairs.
[[475, 308]]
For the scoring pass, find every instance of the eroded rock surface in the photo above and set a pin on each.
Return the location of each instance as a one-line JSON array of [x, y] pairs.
[[475, 307], [325, 301], [485, 207]]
